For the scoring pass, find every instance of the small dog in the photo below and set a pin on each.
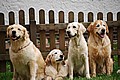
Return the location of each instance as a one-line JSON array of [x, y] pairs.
[[27, 60], [78, 50], [56, 67], [99, 46]]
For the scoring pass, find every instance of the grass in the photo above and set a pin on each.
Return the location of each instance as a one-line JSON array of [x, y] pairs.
[[114, 76]]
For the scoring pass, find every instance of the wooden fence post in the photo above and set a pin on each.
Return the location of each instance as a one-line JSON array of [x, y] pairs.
[[61, 32], [110, 18], [33, 31], [42, 32], [2, 44], [118, 32], [100, 16], [52, 32], [21, 17], [11, 18], [90, 17], [80, 17], [71, 17]]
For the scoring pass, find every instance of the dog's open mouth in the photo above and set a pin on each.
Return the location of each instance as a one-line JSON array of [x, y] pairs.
[[60, 59], [101, 35], [15, 37], [70, 36]]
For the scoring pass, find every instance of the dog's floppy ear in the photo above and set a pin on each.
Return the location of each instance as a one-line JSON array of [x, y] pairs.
[[26, 35], [90, 27], [81, 27], [48, 60], [107, 30]]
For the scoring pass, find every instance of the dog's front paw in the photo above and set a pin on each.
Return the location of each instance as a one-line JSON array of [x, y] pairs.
[[71, 77], [59, 78], [49, 78], [88, 76], [93, 75]]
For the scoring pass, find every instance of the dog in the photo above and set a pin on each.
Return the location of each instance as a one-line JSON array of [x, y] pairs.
[[56, 67], [99, 48], [77, 50], [27, 60]]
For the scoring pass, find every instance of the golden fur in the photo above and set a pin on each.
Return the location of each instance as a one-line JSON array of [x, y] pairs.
[[27, 60], [77, 50], [56, 67], [99, 47]]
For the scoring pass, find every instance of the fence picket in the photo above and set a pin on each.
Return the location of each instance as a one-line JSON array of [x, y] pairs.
[[2, 44], [11, 18], [80, 17], [61, 32], [90, 17], [21, 17], [42, 32], [70, 17], [52, 32], [100, 16], [118, 36]]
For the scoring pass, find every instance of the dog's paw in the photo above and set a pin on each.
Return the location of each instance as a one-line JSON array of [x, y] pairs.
[[93, 75], [59, 78], [71, 77], [49, 78], [87, 76], [118, 71]]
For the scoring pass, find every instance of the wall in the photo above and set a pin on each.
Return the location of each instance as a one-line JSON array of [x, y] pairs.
[[76, 6]]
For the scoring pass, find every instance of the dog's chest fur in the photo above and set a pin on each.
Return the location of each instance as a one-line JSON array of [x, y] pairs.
[[100, 50], [77, 52], [21, 59]]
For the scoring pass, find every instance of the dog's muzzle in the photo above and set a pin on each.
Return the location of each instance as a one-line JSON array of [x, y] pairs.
[[102, 34], [61, 58], [14, 37], [69, 34]]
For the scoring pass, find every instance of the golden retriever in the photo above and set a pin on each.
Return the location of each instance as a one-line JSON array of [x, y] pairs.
[[27, 60], [99, 47], [77, 50], [56, 67]]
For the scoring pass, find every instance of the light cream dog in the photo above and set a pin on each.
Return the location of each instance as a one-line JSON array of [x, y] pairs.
[[27, 60], [56, 67], [78, 50], [99, 46]]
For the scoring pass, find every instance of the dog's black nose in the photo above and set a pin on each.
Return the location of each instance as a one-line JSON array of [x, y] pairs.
[[68, 32], [13, 32], [103, 30], [61, 56]]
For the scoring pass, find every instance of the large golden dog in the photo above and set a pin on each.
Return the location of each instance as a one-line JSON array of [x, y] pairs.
[[99, 47], [77, 51], [27, 60], [56, 67]]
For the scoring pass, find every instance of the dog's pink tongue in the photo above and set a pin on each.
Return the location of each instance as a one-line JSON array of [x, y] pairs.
[[102, 36]]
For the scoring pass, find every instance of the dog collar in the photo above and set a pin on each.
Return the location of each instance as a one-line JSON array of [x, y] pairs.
[[21, 48]]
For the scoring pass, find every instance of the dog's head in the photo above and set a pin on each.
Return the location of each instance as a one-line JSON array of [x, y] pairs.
[[55, 56], [99, 28], [17, 32], [75, 29]]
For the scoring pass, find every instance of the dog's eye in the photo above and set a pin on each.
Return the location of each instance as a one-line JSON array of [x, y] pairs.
[[68, 27], [12, 28], [74, 26], [103, 25], [98, 25], [19, 29], [55, 52]]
